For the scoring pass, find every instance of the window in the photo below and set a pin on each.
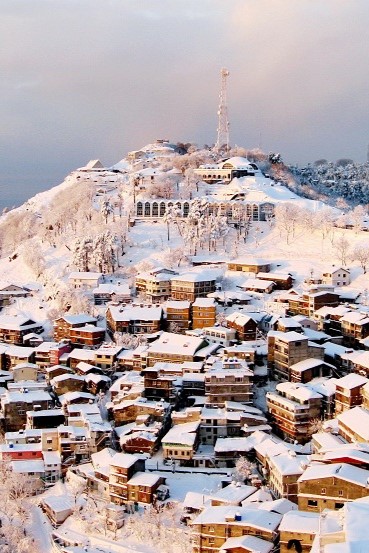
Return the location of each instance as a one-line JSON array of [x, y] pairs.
[[338, 505], [312, 503], [324, 491], [340, 492]]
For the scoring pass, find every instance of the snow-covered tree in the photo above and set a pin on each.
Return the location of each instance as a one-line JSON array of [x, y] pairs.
[[244, 469], [106, 209], [104, 251], [82, 252], [361, 254], [33, 256], [342, 248]]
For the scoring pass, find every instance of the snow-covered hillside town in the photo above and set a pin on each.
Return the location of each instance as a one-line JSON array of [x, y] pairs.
[[184, 360]]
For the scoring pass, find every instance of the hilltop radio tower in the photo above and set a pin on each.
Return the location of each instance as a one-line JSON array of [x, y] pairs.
[[223, 123]]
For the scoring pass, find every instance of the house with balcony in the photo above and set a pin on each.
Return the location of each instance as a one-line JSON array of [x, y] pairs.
[[330, 486], [243, 324], [228, 380], [203, 313], [289, 348], [134, 319], [174, 348], [178, 314], [215, 525], [63, 325], [14, 328], [191, 286], [349, 392], [293, 408]]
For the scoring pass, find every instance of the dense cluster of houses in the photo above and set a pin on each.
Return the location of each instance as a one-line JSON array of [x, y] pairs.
[[187, 391]]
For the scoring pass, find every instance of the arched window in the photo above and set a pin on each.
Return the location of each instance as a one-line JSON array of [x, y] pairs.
[[139, 209], [147, 209], [186, 209], [155, 209], [162, 209], [255, 212]]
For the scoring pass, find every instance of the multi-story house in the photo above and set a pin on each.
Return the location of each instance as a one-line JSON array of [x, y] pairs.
[[244, 325], [160, 382], [354, 327], [349, 392], [353, 424], [285, 469], [14, 328], [14, 407], [119, 292], [331, 486], [126, 411], [298, 530], [173, 348], [178, 315], [122, 468], [215, 525], [219, 335], [48, 354], [85, 280], [249, 265], [229, 380], [311, 301], [181, 441], [190, 286], [336, 276], [156, 287], [134, 319], [63, 325], [282, 281], [106, 356], [288, 348], [88, 335], [203, 313], [294, 410]]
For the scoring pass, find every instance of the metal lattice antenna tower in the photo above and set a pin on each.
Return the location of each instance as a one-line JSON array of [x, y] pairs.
[[223, 122]]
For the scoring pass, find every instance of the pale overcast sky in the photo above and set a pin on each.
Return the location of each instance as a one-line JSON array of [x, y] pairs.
[[85, 79]]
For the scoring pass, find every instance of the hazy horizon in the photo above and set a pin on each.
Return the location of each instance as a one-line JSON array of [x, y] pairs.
[[86, 79]]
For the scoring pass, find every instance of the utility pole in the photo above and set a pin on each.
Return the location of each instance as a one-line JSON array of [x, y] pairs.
[[223, 122]]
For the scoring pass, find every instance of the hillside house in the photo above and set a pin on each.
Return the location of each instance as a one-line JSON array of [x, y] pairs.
[[203, 313], [156, 287], [331, 486], [229, 380], [12, 292], [249, 265], [354, 327], [293, 408], [173, 348], [243, 324], [336, 276], [85, 280], [107, 291], [14, 328], [181, 441], [64, 325], [134, 319], [349, 392], [191, 286], [88, 335], [282, 281], [14, 407], [289, 348], [215, 525], [234, 167], [178, 315]]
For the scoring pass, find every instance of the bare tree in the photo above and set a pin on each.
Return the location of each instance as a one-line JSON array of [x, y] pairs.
[[342, 248], [361, 254]]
